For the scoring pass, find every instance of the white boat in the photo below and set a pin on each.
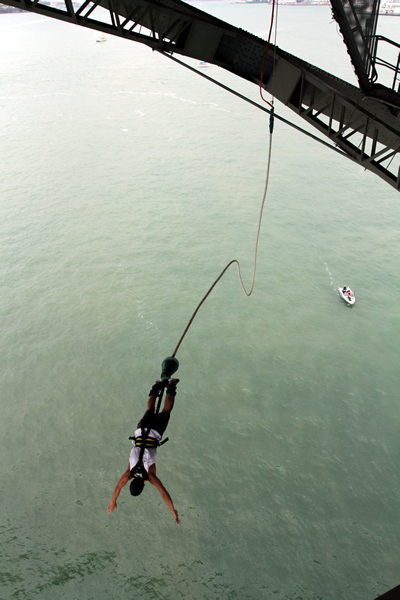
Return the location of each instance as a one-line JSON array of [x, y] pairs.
[[347, 294]]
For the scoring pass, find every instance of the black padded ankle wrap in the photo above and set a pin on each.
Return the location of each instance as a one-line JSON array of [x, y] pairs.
[[155, 390], [171, 389]]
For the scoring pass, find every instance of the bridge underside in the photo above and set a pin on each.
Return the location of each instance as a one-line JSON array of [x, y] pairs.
[[365, 128]]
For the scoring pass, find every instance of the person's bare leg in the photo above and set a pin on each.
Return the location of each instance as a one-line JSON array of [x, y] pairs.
[[169, 403], [170, 397], [151, 402]]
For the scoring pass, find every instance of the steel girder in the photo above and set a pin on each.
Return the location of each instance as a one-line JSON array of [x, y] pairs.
[[366, 129]]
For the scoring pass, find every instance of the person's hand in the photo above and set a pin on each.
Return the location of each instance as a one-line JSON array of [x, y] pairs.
[[111, 507], [177, 521]]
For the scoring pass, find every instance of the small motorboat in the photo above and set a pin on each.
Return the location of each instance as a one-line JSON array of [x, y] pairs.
[[347, 294]]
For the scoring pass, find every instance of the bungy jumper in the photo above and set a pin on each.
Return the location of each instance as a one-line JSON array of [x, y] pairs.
[[169, 366]]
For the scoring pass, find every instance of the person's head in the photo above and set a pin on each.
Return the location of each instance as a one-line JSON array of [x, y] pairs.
[[137, 485]]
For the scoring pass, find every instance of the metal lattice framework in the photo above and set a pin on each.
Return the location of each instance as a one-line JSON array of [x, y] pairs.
[[364, 123], [357, 21]]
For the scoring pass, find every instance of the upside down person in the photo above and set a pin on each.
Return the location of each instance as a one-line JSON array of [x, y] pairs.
[[154, 427]]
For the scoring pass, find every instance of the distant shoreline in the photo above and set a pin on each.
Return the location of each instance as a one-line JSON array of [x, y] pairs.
[[9, 9], [285, 2], [5, 9]]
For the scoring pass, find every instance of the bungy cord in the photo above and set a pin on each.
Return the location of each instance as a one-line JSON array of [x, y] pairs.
[[271, 127]]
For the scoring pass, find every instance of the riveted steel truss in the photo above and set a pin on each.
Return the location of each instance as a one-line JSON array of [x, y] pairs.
[[365, 127]]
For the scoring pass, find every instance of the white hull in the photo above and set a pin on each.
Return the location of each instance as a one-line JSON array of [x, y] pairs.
[[349, 299]]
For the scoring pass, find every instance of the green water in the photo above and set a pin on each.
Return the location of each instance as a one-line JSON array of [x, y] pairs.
[[127, 185]]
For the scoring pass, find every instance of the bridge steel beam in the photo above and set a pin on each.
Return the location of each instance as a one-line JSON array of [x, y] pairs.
[[365, 128]]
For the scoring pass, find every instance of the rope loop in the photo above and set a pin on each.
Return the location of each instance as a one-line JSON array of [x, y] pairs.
[[234, 260]]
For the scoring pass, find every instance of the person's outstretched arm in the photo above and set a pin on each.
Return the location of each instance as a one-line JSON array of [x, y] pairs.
[[164, 494], [123, 481]]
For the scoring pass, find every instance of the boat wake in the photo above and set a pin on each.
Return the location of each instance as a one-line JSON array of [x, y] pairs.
[[330, 274]]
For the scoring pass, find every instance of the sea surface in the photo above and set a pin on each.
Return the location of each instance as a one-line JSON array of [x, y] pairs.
[[127, 184]]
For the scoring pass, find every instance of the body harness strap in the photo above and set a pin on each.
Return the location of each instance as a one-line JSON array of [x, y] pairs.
[[148, 442]]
